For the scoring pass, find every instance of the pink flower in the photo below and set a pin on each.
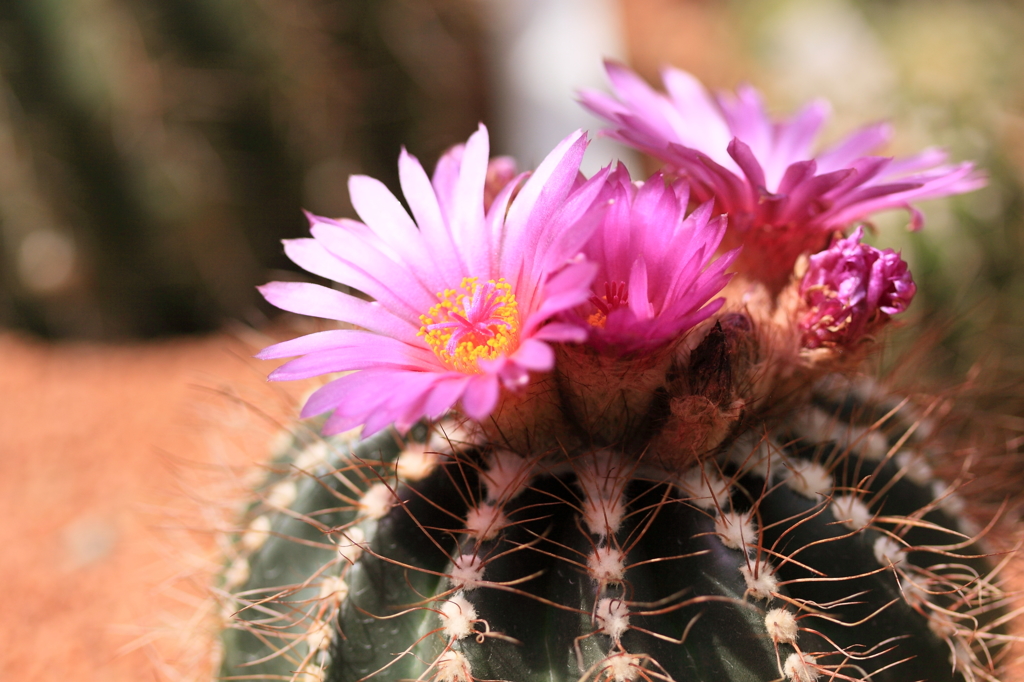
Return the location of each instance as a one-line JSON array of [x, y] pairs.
[[462, 295], [851, 289], [781, 199], [656, 271]]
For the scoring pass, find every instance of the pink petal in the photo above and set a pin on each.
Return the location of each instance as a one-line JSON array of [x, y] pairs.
[[387, 280], [466, 217], [561, 332], [480, 396], [366, 353], [535, 355], [861, 143], [568, 289], [538, 200], [318, 301], [309, 343], [384, 214], [423, 203], [639, 303], [448, 389]]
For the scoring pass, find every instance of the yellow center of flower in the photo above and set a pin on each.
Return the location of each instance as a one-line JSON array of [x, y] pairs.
[[471, 323]]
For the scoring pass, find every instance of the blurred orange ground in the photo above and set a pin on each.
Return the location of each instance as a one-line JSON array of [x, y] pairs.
[[113, 463]]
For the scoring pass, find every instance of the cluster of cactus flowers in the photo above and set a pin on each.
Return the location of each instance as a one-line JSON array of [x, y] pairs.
[[612, 430]]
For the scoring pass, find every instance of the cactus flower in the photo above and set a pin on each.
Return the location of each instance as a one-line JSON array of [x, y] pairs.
[[462, 295], [782, 198], [657, 270], [851, 289]]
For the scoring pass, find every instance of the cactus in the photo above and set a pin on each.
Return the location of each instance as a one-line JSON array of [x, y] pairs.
[[821, 547], [596, 472]]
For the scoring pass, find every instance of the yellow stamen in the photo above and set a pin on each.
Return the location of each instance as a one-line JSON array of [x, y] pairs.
[[482, 318], [597, 319]]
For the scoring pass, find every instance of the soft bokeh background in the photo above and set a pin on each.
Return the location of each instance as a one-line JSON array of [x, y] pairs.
[[154, 152]]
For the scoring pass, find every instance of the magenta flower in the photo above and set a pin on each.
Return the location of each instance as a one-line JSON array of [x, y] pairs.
[[462, 295], [851, 289], [781, 199], [656, 271]]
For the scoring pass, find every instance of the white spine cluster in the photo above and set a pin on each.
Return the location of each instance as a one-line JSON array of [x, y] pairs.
[[333, 590], [318, 637], [947, 500], [761, 580], [801, 668], [449, 436], [377, 501], [736, 530], [620, 668], [457, 617], [485, 521], [752, 453], [603, 477], [817, 426], [888, 552], [612, 616], [237, 574], [452, 666], [350, 544], [256, 534], [915, 466], [809, 479], [704, 487], [507, 475], [606, 565], [313, 457], [416, 461], [851, 511], [781, 626], [467, 572], [283, 494]]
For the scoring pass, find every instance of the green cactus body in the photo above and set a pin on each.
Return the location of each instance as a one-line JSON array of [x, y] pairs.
[[814, 546]]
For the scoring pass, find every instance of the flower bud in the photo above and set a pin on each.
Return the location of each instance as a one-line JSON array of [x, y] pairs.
[[850, 290]]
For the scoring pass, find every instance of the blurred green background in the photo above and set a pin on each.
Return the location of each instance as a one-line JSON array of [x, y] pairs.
[[154, 152]]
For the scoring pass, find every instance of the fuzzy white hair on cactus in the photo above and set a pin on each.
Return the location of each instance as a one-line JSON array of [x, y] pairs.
[[350, 544], [850, 511], [800, 667], [282, 495], [781, 626], [452, 666], [485, 521], [736, 530], [888, 552], [915, 466], [256, 534], [333, 589], [760, 579], [620, 668], [457, 617], [704, 487], [507, 476], [612, 616], [606, 565], [467, 572], [377, 501], [809, 479], [416, 462], [752, 453]]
